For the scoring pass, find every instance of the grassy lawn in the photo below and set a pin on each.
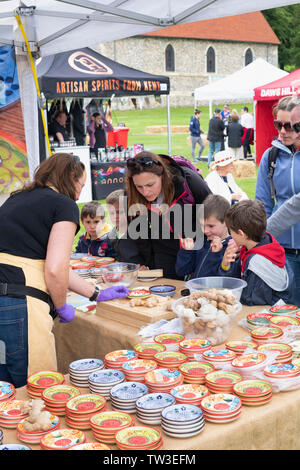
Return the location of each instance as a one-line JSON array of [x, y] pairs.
[[138, 120]]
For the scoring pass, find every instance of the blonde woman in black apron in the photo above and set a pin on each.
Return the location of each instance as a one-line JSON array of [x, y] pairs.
[[38, 225]]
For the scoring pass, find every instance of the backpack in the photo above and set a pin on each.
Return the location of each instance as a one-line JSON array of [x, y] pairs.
[[185, 162], [271, 168]]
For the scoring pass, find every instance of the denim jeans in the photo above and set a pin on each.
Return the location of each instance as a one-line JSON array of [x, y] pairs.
[[294, 262], [13, 341], [213, 148], [197, 140]]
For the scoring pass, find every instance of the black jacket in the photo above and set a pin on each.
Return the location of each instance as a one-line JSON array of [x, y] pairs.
[[158, 245], [216, 129], [235, 133]]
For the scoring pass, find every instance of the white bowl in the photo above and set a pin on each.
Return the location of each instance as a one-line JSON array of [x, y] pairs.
[[234, 284]]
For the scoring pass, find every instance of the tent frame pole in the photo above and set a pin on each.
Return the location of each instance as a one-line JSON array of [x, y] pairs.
[[169, 125]]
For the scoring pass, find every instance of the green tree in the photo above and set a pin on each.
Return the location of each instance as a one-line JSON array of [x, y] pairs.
[[285, 23]]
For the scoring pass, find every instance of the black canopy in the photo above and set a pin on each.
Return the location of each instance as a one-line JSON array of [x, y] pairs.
[[85, 73]]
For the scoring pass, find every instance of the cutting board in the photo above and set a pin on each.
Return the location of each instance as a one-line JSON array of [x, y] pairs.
[[120, 310]]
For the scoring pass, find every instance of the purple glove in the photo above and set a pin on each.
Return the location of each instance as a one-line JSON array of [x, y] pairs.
[[66, 313], [112, 293]]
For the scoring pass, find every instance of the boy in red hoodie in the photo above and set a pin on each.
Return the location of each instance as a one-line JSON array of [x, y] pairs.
[[255, 256]]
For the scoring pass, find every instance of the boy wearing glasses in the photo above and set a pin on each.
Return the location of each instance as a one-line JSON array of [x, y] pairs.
[[285, 179], [95, 241]]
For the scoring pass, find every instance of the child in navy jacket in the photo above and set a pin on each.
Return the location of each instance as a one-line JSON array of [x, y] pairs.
[[192, 262], [261, 261], [95, 241]]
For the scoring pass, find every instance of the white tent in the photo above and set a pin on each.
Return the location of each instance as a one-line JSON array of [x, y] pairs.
[[53, 26], [240, 85]]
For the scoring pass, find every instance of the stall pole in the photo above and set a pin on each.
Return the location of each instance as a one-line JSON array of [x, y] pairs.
[[169, 125]]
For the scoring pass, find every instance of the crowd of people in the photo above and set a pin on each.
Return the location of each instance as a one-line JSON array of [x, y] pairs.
[[166, 216], [225, 129]]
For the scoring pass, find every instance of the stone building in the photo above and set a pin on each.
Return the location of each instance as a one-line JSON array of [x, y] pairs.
[[193, 54]]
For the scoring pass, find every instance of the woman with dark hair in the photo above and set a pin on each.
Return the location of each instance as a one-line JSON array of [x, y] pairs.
[[159, 190], [97, 129], [38, 225]]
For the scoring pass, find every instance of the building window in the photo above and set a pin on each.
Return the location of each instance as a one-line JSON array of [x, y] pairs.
[[248, 57], [210, 60], [170, 59]]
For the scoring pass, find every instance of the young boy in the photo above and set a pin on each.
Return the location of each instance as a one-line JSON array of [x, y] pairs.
[[192, 263], [124, 248], [261, 261], [95, 241]]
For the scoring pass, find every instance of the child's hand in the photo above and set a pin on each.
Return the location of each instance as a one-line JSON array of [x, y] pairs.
[[216, 244], [236, 197], [187, 243], [230, 253]]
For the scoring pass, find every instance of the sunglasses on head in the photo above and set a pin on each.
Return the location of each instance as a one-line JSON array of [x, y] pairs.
[[296, 127], [145, 162], [279, 125]]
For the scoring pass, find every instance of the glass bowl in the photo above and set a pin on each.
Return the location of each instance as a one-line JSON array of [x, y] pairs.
[[234, 284], [119, 274]]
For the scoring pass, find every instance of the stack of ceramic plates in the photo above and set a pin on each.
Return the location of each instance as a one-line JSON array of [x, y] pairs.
[[246, 363], [104, 380], [169, 340], [14, 447], [55, 398], [218, 356], [239, 346], [7, 391], [91, 260], [38, 382], [95, 273], [264, 334], [257, 319], [150, 406], [84, 273], [253, 392], [77, 256], [148, 350], [285, 351], [80, 409], [62, 439], [195, 372], [34, 437], [193, 346], [296, 348], [139, 438], [191, 394], [11, 414], [286, 370], [105, 425], [91, 446], [81, 369], [103, 260], [222, 381], [289, 310], [284, 321], [170, 359], [124, 395], [115, 359], [182, 420], [136, 369], [163, 380], [221, 407], [75, 264]]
